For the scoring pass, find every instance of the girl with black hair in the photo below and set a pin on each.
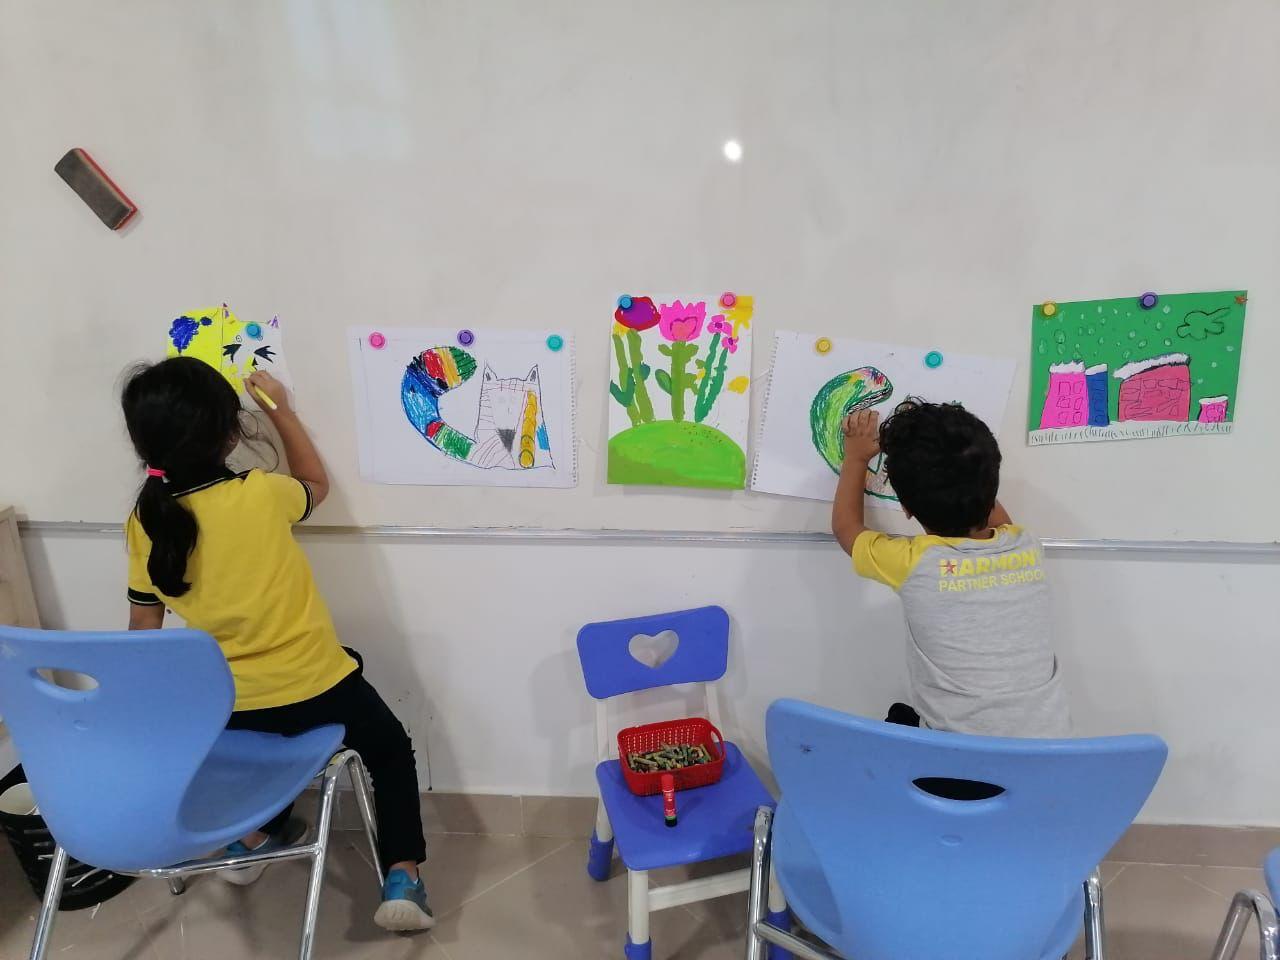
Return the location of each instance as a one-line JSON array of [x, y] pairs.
[[217, 548]]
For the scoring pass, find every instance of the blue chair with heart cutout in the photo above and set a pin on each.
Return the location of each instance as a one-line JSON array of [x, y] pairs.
[[714, 821]]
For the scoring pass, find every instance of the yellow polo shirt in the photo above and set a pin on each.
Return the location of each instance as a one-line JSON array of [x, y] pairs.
[[251, 588]]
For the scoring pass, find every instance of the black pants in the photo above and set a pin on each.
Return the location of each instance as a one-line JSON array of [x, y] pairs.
[[373, 732], [945, 787]]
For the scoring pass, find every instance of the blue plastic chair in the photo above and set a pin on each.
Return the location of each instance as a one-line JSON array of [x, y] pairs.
[[1256, 906], [714, 821], [139, 775], [881, 868]]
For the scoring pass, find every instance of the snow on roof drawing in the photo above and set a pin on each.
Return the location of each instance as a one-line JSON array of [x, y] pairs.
[[1141, 366]]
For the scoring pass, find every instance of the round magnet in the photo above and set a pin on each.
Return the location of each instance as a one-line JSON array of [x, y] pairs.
[[1048, 308], [1148, 300], [253, 331], [377, 341], [822, 345], [933, 359], [466, 337], [727, 299], [624, 302], [555, 343]]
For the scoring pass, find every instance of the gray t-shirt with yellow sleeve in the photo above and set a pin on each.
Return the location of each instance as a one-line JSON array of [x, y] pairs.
[[979, 653]]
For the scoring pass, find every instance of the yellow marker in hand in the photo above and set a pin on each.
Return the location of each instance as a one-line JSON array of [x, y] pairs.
[[262, 395]]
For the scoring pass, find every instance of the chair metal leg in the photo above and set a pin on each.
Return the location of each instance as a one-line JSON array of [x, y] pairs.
[[49, 906], [364, 800], [1249, 903], [600, 853], [177, 886], [323, 819], [638, 945], [1095, 934], [779, 916], [757, 893]]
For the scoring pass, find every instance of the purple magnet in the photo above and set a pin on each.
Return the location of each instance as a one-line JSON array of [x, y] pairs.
[[466, 337], [1148, 300], [377, 341]]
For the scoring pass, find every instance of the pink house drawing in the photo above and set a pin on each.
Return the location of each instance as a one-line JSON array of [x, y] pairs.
[[1067, 403], [1213, 410], [1158, 389]]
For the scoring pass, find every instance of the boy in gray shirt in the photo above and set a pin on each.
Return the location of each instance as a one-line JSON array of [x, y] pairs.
[[973, 587]]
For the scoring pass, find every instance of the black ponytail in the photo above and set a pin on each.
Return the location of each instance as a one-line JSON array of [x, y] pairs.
[[183, 418], [172, 529]]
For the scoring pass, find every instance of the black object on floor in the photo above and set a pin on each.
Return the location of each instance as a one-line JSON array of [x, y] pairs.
[[85, 886]]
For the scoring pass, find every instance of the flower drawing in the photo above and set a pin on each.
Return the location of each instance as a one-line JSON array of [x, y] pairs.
[[697, 442], [680, 323], [641, 315]]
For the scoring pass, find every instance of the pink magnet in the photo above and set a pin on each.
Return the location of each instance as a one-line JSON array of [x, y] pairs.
[[727, 299], [377, 341]]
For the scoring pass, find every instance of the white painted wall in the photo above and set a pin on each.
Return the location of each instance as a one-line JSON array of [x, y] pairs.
[[918, 172], [473, 645]]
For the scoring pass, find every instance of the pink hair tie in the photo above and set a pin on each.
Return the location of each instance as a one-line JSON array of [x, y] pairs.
[[153, 472]]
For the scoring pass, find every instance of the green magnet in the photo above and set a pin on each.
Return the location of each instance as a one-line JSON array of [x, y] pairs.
[[933, 359]]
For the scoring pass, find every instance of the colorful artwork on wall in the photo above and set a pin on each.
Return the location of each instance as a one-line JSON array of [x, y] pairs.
[[481, 407], [680, 386], [816, 381], [1135, 367]]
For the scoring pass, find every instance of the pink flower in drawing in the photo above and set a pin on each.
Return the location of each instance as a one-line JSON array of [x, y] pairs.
[[641, 315], [730, 344], [679, 323], [718, 324]]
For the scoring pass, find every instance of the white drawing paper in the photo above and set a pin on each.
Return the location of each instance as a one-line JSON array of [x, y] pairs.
[[815, 380], [481, 407]]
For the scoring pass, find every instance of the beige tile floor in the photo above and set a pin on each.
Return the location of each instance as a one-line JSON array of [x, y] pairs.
[[525, 897]]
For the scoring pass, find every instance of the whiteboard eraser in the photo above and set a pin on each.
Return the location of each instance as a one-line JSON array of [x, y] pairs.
[[95, 188]]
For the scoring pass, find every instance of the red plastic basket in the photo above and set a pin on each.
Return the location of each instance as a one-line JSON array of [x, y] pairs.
[[651, 736]]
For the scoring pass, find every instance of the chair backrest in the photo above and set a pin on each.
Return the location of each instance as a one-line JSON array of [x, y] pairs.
[[883, 869], [109, 766], [701, 654]]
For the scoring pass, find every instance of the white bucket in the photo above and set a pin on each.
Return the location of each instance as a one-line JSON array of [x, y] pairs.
[[19, 801]]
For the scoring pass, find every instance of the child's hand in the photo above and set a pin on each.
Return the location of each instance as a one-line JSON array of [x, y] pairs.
[[269, 385], [861, 437]]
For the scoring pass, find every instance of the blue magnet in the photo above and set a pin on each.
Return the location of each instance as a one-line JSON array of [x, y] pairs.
[[555, 343], [1148, 300], [253, 331], [466, 337], [933, 359], [624, 302]]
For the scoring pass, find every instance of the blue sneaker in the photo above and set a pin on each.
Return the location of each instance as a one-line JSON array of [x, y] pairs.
[[404, 904], [294, 830]]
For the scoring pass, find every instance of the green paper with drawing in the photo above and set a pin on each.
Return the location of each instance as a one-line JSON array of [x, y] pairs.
[[1135, 367], [679, 389]]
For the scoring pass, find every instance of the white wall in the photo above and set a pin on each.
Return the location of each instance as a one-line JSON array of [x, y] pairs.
[[918, 172], [473, 645]]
